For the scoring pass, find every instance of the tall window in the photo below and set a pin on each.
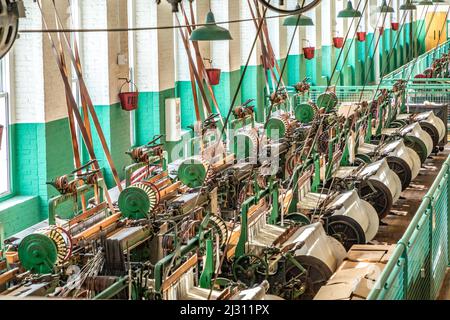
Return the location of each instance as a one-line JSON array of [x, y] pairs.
[[5, 175]]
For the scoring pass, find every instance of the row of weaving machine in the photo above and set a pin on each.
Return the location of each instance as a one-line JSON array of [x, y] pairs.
[[267, 213]]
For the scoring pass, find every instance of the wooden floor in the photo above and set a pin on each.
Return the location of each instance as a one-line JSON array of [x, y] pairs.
[[395, 224]]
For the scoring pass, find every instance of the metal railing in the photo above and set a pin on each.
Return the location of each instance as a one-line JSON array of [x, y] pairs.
[[419, 65], [417, 267]]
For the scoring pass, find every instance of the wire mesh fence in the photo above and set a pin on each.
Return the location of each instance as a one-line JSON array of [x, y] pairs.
[[417, 268]]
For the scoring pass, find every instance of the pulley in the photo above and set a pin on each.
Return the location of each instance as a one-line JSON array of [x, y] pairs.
[[139, 200], [328, 101], [306, 6], [193, 172], [305, 112], [41, 251], [277, 126], [10, 12]]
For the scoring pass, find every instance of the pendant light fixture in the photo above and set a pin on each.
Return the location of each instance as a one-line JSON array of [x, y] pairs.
[[408, 6], [210, 31], [298, 20], [384, 8], [349, 12]]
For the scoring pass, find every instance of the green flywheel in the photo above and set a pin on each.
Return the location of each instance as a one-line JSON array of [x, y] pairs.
[[192, 172], [328, 101], [134, 203], [304, 112], [276, 128], [38, 253]]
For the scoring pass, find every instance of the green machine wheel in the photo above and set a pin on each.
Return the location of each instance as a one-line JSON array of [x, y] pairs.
[[418, 146], [192, 172], [305, 112], [362, 158], [38, 253], [298, 218], [137, 201], [276, 128], [328, 101]]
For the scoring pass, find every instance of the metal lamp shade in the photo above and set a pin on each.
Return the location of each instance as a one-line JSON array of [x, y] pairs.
[[408, 6], [384, 8], [303, 21], [349, 12], [211, 31]]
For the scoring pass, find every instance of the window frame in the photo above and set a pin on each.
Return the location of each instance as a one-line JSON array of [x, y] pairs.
[[5, 93]]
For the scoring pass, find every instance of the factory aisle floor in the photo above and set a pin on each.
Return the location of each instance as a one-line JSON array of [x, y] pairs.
[[403, 211], [445, 291]]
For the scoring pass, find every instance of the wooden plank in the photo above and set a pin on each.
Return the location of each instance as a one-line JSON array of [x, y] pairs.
[[365, 256], [158, 177], [8, 276], [174, 187], [87, 214], [174, 277], [97, 227]]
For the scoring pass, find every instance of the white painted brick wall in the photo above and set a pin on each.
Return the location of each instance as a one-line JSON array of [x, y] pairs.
[[248, 33], [117, 44], [28, 74], [165, 57], [181, 58], [235, 45], [295, 50], [146, 47], [220, 50], [55, 97], [95, 50], [274, 35]]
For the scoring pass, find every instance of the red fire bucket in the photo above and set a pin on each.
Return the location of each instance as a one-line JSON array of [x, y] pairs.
[[395, 26], [381, 30], [1, 135], [361, 36], [338, 42], [129, 100], [213, 76], [309, 52]]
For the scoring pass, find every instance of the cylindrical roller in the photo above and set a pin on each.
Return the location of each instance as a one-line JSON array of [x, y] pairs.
[[317, 245], [431, 119], [399, 159], [418, 140], [319, 255], [381, 186], [402, 161], [354, 220]]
